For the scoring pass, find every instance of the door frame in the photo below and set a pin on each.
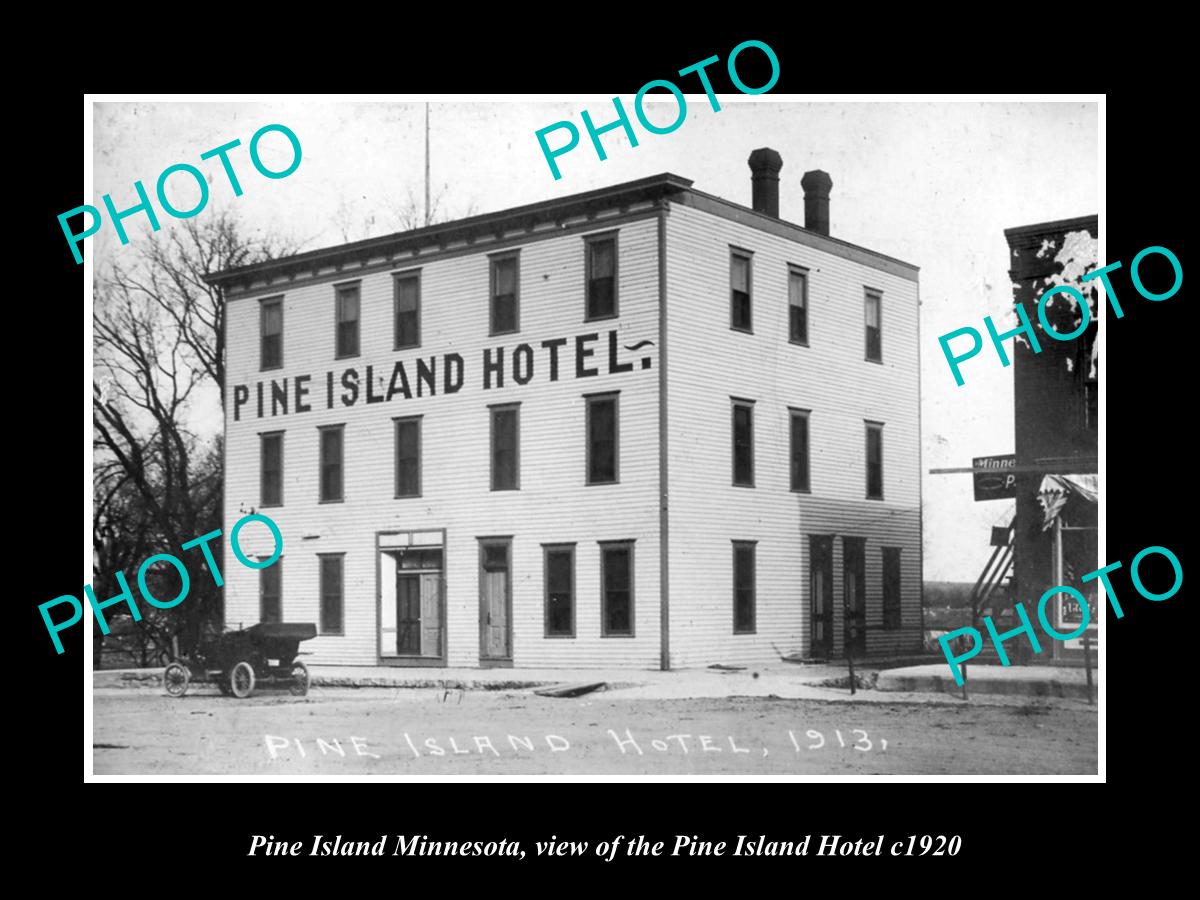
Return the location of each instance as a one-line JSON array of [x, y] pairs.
[[827, 645], [486, 661], [410, 661]]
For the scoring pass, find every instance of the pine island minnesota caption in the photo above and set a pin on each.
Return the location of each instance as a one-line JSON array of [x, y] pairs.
[[684, 845]]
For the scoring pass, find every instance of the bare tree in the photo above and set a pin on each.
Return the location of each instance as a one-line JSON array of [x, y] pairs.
[[159, 353]]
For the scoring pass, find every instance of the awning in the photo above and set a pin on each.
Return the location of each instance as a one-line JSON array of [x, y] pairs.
[[1057, 491]]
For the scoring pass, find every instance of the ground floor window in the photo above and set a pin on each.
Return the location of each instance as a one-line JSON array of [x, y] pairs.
[[616, 589]]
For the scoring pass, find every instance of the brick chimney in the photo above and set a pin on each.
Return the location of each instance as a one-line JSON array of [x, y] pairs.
[[765, 164], [816, 186]]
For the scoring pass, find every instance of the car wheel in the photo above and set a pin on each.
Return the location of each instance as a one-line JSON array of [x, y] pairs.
[[241, 680], [175, 679], [300, 680]]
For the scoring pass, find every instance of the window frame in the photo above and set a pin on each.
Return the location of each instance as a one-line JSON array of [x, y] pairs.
[[397, 277], [262, 335], [893, 618], [590, 400], [870, 427], [493, 410], [752, 546], [794, 413], [340, 290], [547, 549], [403, 420], [340, 429], [493, 260], [736, 403], [605, 547], [262, 594], [803, 272], [322, 560], [263, 436], [588, 241], [869, 294], [748, 256]]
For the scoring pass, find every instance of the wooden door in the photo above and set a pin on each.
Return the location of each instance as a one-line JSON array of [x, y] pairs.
[[495, 632], [820, 562], [408, 614], [431, 614]]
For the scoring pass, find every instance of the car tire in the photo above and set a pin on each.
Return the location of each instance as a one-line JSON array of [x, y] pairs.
[[241, 680]]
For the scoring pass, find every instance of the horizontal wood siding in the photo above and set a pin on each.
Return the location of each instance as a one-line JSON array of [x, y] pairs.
[[708, 363], [553, 504]]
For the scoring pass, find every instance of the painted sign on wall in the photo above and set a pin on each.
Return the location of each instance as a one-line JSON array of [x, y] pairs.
[[999, 481]]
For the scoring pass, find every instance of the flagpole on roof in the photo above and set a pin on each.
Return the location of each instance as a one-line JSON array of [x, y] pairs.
[[427, 217]]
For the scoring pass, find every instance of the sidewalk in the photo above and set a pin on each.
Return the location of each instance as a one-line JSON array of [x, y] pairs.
[[1025, 681], [914, 684]]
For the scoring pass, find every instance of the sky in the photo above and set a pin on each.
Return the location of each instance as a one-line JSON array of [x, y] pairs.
[[933, 184]]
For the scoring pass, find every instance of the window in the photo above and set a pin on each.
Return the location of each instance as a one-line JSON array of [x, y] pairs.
[[616, 590], [797, 305], [407, 289], [743, 587], [743, 442], [270, 601], [271, 488], [602, 450], [331, 463], [874, 313], [891, 588], [408, 456], [270, 322], [506, 472], [739, 290], [560, 590], [347, 320], [854, 594], [799, 449], [601, 277], [331, 592], [505, 294], [874, 461]]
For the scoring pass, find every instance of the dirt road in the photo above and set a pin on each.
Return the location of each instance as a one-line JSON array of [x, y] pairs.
[[429, 732]]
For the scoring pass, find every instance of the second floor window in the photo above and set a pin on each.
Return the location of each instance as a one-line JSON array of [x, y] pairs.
[[505, 447], [743, 442], [331, 463], [408, 311], [271, 486], [797, 305], [739, 290], [505, 296], [799, 449], [271, 327], [601, 277], [602, 439], [874, 317], [874, 461], [408, 457], [347, 320]]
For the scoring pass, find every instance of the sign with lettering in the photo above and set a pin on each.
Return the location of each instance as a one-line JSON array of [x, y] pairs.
[[998, 481], [423, 377]]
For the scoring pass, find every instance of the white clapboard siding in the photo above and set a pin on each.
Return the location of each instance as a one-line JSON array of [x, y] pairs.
[[707, 364], [553, 504]]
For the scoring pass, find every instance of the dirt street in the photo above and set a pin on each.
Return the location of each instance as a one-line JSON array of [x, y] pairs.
[[430, 732]]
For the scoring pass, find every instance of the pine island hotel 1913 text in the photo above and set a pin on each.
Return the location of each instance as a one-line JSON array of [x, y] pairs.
[[636, 427]]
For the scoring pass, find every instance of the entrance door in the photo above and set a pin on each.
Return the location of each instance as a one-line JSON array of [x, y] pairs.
[[854, 600], [408, 614], [495, 626], [820, 567]]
